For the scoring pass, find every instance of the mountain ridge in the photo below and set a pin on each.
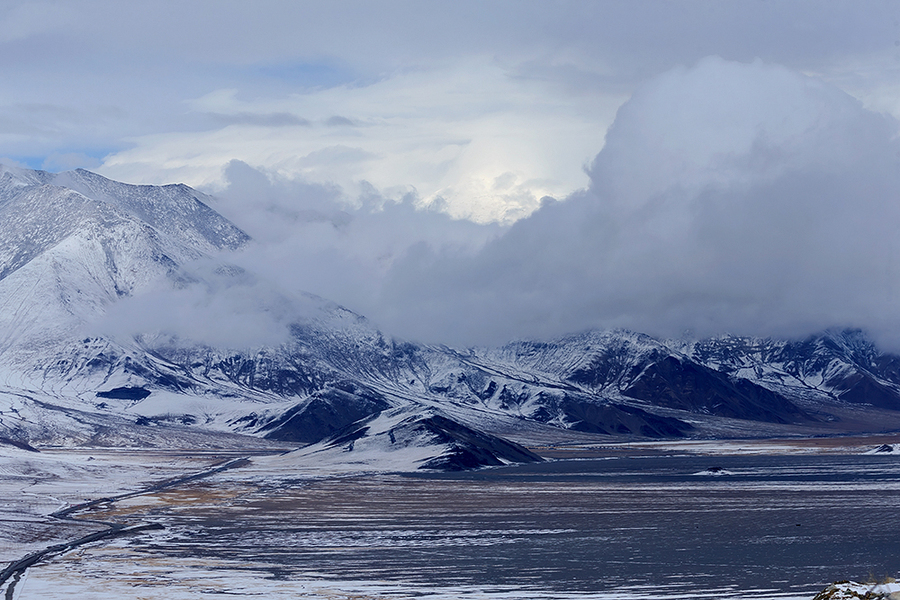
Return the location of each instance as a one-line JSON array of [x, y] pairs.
[[74, 245]]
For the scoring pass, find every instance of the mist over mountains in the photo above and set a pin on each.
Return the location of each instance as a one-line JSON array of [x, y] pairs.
[[90, 265], [747, 205]]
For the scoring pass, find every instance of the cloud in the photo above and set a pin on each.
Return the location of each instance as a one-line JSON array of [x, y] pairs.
[[729, 197], [312, 238], [215, 303], [281, 119], [308, 239], [521, 87], [487, 143], [339, 121], [365, 121], [26, 20], [9, 162], [67, 161]]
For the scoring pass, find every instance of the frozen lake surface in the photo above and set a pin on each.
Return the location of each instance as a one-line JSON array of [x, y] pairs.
[[652, 527]]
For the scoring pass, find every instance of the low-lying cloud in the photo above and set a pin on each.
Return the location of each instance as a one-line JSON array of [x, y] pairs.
[[312, 238], [213, 303], [308, 238]]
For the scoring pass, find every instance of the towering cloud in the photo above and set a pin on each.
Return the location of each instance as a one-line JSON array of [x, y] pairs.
[[729, 197]]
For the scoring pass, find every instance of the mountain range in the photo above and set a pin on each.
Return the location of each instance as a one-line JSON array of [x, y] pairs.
[[75, 246]]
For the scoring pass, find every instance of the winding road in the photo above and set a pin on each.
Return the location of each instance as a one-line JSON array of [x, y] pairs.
[[17, 568]]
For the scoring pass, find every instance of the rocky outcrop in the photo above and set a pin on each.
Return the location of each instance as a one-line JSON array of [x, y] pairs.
[[851, 590]]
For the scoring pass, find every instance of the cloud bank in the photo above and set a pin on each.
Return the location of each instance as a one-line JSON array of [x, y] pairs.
[[217, 304], [729, 197], [307, 239]]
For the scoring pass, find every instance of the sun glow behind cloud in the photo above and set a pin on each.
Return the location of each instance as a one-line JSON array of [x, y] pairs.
[[486, 145]]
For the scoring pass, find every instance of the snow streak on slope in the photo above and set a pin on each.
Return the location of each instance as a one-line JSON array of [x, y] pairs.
[[403, 439]]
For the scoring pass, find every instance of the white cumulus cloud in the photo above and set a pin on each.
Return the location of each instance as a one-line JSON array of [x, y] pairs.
[[729, 197]]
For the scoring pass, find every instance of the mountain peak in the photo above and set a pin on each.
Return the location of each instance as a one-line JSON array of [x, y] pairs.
[[175, 209], [73, 243]]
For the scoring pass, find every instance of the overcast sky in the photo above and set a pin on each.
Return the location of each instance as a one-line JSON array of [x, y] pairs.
[[704, 166]]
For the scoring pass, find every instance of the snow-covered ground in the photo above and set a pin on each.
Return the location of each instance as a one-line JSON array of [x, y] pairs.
[[33, 485], [111, 574]]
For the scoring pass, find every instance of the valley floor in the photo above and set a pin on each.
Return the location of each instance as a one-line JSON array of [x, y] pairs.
[[732, 519]]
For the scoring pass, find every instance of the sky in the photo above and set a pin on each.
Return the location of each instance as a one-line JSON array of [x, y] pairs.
[[471, 172]]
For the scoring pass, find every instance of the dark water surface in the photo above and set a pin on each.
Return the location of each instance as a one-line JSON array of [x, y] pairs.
[[774, 524]]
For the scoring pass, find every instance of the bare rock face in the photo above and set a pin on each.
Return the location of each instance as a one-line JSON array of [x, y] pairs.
[[324, 413], [686, 385]]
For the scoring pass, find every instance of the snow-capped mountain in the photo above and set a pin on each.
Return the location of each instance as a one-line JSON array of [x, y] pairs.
[[74, 245]]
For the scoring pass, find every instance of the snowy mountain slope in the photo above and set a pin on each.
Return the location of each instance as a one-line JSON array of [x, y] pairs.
[[339, 376], [630, 367], [66, 256], [74, 245], [839, 366], [340, 373], [39, 210], [177, 211], [401, 438]]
